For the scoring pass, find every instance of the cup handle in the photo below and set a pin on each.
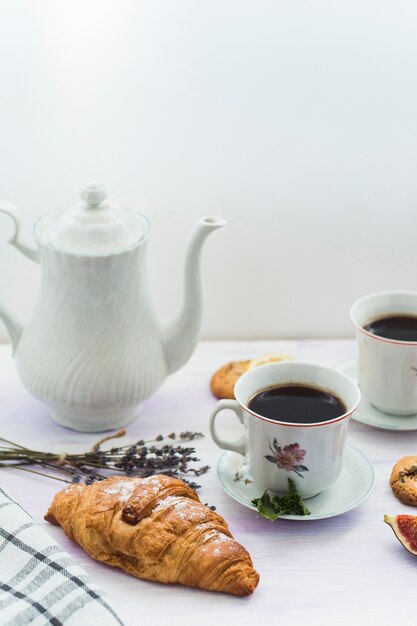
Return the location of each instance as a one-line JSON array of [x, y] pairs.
[[236, 446]]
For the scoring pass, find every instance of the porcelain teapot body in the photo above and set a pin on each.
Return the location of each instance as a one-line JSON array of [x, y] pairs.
[[95, 347]]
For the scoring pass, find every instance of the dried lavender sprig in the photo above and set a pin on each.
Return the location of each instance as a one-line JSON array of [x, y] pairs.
[[137, 459], [23, 469]]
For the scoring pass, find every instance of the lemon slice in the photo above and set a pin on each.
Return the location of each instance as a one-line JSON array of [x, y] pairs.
[[274, 357]]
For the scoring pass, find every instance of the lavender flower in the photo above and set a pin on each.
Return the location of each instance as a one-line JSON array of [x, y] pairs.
[[142, 459]]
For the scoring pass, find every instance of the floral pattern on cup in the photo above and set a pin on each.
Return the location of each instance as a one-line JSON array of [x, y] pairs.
[[287, 457]]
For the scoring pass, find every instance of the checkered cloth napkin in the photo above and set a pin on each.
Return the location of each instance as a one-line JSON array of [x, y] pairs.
[[39, 583]]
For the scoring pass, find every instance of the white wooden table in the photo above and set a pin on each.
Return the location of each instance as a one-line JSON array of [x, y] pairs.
[[349, 569]]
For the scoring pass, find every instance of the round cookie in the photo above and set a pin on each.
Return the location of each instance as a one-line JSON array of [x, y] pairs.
[[403, 480], [223, 381]]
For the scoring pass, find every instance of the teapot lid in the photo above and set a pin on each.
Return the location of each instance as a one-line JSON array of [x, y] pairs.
[[93, 226]]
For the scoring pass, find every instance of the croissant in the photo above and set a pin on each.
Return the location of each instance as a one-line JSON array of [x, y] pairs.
[[154, 528]]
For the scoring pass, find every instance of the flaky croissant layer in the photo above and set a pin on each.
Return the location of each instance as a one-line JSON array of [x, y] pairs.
[[155, 528]]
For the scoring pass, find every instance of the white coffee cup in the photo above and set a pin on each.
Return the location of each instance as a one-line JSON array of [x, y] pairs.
[[387, 368], [310, 454]]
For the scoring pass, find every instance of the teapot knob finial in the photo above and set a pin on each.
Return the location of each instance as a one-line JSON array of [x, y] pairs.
[[93, 194]]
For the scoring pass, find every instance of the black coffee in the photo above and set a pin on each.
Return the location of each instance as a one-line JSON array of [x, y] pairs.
[[398, 326], [297, 403]]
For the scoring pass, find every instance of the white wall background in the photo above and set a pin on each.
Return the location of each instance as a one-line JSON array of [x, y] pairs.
[[296, 120]]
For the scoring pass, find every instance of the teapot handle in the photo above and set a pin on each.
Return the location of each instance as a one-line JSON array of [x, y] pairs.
[[16, 239]]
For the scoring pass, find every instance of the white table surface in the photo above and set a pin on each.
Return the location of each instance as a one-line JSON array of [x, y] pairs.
[[349, 569]]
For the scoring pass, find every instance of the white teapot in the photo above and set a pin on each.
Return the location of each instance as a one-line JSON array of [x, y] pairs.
[[95, 348]]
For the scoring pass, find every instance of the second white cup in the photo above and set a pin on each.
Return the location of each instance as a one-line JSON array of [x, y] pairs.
[[387, 368]]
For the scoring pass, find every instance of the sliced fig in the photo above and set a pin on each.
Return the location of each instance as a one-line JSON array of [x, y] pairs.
[[405, 529]]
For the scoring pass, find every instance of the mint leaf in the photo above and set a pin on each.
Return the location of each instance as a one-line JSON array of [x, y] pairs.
[[265, 506], [293, 502], [272, 507]]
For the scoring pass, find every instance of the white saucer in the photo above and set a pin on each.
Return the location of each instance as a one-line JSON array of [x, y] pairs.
[[354, 484], [368, 414]]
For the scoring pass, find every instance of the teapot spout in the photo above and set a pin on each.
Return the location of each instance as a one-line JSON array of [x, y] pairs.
[[180, 335]]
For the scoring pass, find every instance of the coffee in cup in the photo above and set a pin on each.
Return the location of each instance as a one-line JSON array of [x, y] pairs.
[[297, 403]]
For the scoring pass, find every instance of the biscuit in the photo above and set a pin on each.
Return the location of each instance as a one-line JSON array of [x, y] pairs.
[[403, 480], [223, 381]]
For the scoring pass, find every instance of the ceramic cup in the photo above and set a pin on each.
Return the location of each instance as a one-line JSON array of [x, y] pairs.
[[387, 368], [309, 454]]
